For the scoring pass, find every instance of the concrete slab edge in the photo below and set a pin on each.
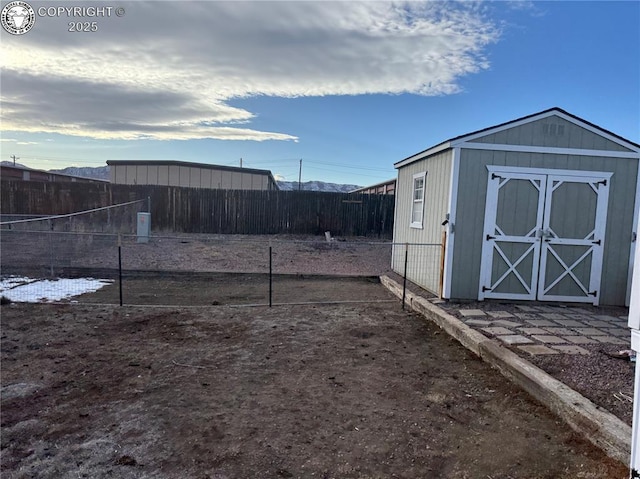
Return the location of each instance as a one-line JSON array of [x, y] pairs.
[[599, 426]]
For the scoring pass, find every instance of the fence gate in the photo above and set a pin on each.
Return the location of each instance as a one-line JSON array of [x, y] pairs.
[[544, 235]]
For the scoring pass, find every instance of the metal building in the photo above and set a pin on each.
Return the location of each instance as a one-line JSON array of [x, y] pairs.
[[24, 173], [543, 208], [385, 188], [193, 175]]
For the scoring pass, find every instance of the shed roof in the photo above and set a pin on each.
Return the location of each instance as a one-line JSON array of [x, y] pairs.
[[450, 143]]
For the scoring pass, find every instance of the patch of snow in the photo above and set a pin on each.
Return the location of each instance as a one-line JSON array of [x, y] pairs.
[[27, 290], [13, 281]]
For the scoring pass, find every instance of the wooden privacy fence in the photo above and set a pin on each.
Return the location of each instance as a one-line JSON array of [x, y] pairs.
[[195, 210]]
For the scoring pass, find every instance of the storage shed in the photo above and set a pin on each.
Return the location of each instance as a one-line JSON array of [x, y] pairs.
[[192, 175], [542, 208]]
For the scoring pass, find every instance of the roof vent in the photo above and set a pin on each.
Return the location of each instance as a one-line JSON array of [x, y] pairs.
[[552, 129]]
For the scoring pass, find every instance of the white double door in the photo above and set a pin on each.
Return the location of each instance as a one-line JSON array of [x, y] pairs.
[[544, 235]]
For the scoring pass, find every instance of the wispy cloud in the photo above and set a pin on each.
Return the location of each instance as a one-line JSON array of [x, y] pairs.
[[526, 6], [163, 72]]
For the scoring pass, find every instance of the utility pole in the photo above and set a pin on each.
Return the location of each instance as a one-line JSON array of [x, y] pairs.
[[300, 176], [13, 157], [240, 162]]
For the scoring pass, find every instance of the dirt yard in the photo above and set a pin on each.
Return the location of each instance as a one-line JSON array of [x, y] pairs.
[[326, 391], [208, 289]]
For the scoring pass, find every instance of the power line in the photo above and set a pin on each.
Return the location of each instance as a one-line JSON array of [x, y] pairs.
[[279, 161], [61, 159], [349, 167], [313, 167]]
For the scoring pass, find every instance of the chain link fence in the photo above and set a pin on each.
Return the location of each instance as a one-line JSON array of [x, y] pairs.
[[192, 269]]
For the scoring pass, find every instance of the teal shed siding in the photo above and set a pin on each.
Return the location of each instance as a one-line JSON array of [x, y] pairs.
[[456, 183], [553, 132], [471, 199]]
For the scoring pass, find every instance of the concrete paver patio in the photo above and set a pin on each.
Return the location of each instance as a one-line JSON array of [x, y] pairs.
[[545, 329]]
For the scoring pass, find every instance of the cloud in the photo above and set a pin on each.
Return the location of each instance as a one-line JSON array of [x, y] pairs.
[[170, 71], [526, 6], [27, 143]]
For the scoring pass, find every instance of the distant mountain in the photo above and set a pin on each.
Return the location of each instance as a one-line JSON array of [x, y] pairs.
[[317, 186], [17, 165], [102, 173], [98, 172]]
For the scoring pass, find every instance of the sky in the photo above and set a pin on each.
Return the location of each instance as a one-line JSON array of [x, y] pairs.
[[349, 88]]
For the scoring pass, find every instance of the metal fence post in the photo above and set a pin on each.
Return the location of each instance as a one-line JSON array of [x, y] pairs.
[[404, 275], [120, 266], [270, 277], [50, 248]]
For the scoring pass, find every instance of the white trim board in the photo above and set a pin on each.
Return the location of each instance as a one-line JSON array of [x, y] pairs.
[[634, 241], [423, 154], [547, 171], [468, 138], [418, 224], [547, 150], [451, 236]]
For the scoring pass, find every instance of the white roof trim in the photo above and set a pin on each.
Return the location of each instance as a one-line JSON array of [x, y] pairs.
[[423, 154], [558, 113], [549, 150], [460, 140], [547, 171], [600, 132]]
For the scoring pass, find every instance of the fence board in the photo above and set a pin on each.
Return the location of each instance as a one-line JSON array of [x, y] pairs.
[[195, 210]]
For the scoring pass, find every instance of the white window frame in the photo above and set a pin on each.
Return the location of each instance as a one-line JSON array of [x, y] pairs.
[[422, 175]]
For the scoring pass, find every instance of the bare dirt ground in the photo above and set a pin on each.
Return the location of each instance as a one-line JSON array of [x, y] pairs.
[[605, 381], [208, 289], [250, 254], [327, 391], [291, 254]]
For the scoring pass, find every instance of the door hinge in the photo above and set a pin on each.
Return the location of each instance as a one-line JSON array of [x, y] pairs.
[[602, 182], [489, 237], [598, 242], [634, 474], [494, 176], [485, 289], [593, 293]]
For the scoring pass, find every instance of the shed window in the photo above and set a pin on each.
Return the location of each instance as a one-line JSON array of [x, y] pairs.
[[417, 205]]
